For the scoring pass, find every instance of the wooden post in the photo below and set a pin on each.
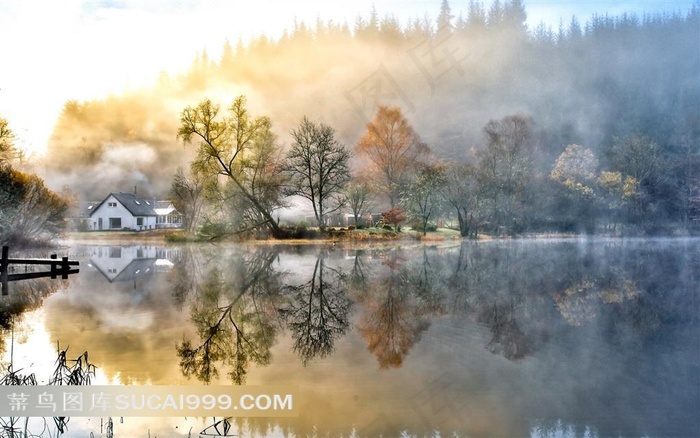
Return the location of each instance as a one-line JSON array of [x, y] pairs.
[[64, 268], [4, 269], [54, 267]]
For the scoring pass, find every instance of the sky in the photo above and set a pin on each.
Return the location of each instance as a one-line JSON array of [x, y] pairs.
[[55, 51]]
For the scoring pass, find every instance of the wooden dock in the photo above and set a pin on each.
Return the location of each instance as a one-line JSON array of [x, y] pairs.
[[57, 267]]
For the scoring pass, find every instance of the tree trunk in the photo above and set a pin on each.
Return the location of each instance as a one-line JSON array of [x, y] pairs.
[[271, 224], [463, 222]]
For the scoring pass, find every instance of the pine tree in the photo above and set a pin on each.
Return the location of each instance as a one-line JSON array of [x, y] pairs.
[[444, 20]]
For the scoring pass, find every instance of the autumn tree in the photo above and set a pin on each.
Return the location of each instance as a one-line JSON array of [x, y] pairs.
[[393, 217], [616, 193], [228, 146], [6, 141], [575, 168], [393, 148], [318, 170], [575, 171], [28, 209]]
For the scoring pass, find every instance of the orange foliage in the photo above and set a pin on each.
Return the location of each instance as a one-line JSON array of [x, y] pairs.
[[393, 147]]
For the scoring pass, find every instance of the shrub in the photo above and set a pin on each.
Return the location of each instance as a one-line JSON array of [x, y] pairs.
[[417, 225]]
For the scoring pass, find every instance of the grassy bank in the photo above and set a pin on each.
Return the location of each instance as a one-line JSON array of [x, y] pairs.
[[310, 236]]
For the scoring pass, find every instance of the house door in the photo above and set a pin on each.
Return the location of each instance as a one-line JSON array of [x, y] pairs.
[[99, 223]]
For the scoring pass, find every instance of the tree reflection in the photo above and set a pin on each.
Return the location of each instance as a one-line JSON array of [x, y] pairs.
[[398, 307], [357, 279], [581, 302], [317, 312], [508, 339], [233, 324]]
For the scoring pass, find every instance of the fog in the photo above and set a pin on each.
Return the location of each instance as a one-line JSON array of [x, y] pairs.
[[584, 83]]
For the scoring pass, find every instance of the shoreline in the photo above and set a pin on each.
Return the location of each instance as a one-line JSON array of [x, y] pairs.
[[342, 239]]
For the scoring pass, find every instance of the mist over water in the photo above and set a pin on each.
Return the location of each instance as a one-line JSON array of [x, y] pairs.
[[590, 337]]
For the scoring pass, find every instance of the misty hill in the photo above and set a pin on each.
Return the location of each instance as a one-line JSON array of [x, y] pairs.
[[583, 83]]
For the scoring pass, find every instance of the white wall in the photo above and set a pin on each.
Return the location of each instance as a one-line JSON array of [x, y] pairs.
[[106, 212]]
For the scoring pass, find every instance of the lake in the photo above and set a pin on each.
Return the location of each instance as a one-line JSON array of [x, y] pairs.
[[511, 338]]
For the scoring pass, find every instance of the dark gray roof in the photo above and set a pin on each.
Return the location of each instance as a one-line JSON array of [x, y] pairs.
[[137, 268], [85, 209], [136, 205]]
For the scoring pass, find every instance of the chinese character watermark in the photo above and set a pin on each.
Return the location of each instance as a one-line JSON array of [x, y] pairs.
[[18, 402], [437, 56], [377, 88]]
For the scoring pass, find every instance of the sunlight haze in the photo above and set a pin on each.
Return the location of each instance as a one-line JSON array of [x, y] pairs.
[[80, 50]]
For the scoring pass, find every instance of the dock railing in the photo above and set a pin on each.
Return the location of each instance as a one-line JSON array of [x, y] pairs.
[[57, 267]]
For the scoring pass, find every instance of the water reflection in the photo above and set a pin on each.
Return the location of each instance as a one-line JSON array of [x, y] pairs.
[[316, 312], [130, 263], [398, 303], [230, 311], [509, 338]]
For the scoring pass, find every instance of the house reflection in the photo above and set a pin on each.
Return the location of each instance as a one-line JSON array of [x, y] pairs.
[[131, 263]]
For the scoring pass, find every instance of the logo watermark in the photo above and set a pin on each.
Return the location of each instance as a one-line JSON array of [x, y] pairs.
[[147, 401]]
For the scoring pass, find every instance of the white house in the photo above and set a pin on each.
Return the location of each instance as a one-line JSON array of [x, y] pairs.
[[123, 211]]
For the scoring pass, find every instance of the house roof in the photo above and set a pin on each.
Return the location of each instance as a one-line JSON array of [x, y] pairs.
[[136, 205], [85, 209], [137, 267], [164, 208]]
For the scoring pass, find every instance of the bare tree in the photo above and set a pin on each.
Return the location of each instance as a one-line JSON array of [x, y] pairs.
[[506, 168], [187, 194], [358, 195], [422, 197], [318, 168], [317, 312], [461, 191]]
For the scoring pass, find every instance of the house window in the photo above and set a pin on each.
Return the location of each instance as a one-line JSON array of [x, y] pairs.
[[115, 252], [139, 221], [115, 222], [111, 204]]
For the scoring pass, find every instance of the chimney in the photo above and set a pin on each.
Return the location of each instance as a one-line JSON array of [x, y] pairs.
[[134, 190]]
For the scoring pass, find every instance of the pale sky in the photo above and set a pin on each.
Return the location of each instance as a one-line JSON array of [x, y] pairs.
[[53, 51]]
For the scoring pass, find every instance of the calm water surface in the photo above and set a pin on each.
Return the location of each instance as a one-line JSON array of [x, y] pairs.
[[523, 338]]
